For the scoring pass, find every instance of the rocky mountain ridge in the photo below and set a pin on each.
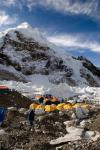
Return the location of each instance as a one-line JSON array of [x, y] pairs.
[[25, 52]]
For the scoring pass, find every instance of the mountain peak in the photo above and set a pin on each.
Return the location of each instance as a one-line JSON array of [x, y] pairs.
[[30, 32], [25, 25]]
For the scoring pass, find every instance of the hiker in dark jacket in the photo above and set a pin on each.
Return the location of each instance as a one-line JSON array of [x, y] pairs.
[[2, 113], [31, 117]]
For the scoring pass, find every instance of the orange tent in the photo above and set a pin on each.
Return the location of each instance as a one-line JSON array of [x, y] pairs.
[[45, 100], [54, 100], [38, 96]]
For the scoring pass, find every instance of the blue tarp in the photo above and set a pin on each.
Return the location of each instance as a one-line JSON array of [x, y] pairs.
[[2, 112]]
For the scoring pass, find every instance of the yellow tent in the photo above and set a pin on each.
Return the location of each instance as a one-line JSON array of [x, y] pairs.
[[33, 106], [77, 105], [49, 108], [53, 107], [67, 107], [60, 106], [86, 106], [40, 106]]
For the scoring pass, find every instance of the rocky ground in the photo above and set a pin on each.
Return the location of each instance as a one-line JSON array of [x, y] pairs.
[[19, 136], [14, 98]]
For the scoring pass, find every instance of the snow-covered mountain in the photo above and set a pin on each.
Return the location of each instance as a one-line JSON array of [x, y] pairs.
[[26, 55]]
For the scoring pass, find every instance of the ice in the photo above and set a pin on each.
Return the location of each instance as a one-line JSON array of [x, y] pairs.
[[75, 134], [41, 85]]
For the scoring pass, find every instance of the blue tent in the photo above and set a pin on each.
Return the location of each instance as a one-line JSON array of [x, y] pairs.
[[2, 113]]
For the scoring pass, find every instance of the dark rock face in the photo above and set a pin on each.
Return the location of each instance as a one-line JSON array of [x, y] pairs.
[[87, 64], [59, 66], [39, 56], [93, 70], [91, 81]]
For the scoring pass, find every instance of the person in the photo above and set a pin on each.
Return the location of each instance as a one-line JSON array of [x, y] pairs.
[[31, 115], [75, 101], [48, 64], [2, 113]]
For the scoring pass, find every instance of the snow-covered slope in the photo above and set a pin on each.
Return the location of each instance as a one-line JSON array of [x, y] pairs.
[[62, 90], [26, 55]]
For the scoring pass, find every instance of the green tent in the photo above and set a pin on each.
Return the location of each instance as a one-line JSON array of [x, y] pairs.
[[4, 90]]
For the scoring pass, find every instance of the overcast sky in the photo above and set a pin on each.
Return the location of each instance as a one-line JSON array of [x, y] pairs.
[[71, 24]]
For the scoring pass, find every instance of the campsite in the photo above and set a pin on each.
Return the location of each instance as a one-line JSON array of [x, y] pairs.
[[54, 123], [49, 74]]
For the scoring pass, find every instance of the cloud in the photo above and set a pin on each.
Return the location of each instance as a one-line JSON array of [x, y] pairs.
[[77, 7], [8, 2], [6, 19], [13, 3], [74, 42]]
